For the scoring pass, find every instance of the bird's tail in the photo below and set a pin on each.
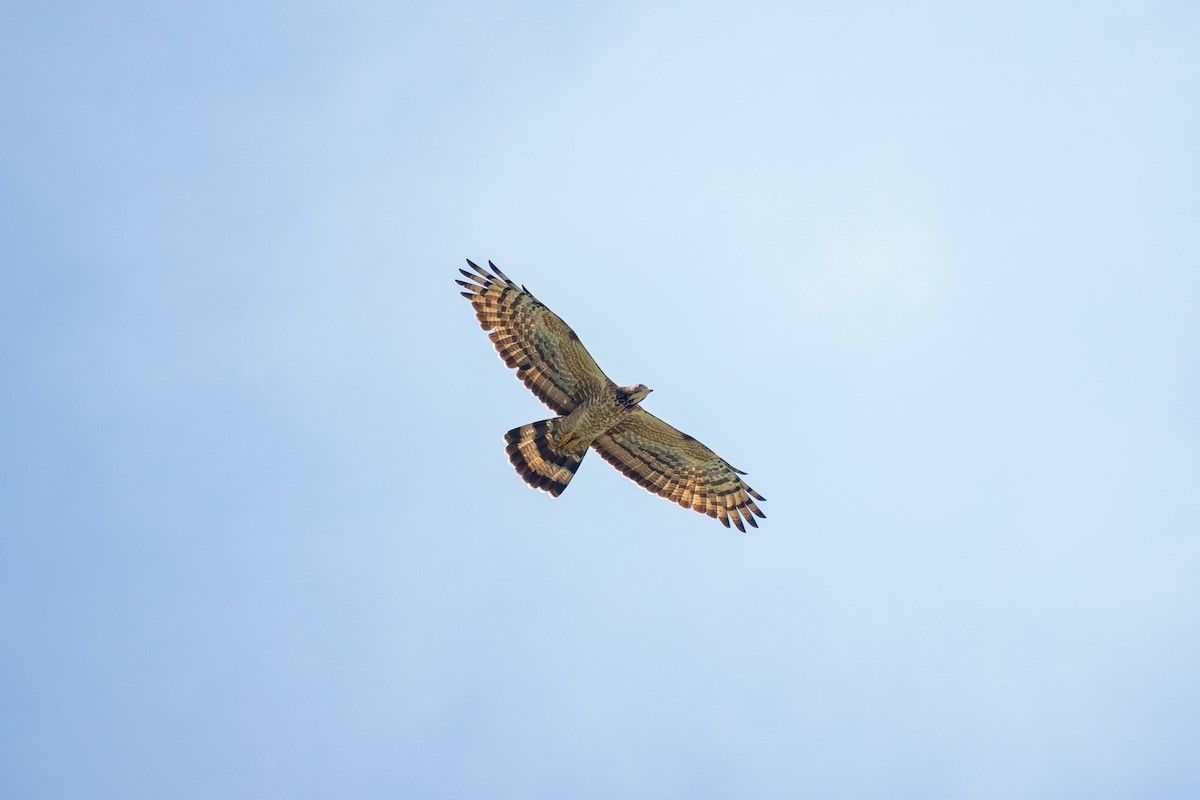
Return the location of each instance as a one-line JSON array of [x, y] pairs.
[[534, 451]]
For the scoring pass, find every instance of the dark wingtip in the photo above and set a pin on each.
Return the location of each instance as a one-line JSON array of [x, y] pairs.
[[483, 273], [500, 274]]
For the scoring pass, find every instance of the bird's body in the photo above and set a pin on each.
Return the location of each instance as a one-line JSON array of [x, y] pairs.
[[594, 412]]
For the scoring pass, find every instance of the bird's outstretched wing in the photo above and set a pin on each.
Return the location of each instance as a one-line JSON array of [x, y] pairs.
[[673, 465], [548, 356]]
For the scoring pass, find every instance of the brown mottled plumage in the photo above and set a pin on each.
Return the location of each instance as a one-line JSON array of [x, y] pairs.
[[594, 411]]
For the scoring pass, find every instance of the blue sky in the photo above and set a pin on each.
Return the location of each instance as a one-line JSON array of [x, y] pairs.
[[930, 273]]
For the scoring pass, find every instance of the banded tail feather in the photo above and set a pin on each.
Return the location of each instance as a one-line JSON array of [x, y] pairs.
[[538, 460]]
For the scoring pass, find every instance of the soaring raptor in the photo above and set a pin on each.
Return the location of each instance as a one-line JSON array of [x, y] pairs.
[[594, 412]]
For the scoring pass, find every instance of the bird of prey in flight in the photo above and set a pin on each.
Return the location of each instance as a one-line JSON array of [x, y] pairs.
[[595, 412]]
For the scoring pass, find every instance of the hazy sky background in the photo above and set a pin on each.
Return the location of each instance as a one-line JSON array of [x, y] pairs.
[[929, 272]]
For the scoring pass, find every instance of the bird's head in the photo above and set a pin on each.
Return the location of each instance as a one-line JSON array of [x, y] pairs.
[[632, 395]]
